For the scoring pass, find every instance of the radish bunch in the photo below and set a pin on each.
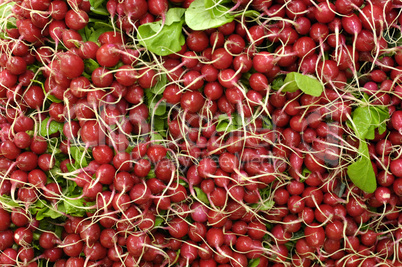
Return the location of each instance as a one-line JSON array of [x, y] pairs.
[[202, 133]]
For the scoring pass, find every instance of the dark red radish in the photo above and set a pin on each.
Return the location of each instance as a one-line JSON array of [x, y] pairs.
[[76, 19], [135, 8]]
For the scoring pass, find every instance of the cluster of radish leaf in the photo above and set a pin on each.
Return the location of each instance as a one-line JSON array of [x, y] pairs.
[[365, 119], [47, 129], [206, 14], [94, 29], [201, 195], [98, 7], [72, 207], [267, 203], [226, 123], [157, 108], [294, 81], [71, 203], [6, 12], [165, 38], [43, 209]]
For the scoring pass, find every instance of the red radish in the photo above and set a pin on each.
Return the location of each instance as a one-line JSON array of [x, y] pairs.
[[221, 59], [71, 65], [76, 19], [108, 55], [135, 8], [158, 8], [396, 167], [263, 62]]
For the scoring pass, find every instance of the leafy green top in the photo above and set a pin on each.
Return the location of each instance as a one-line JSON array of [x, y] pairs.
[[163, 39], [308, 84], [365, 119], [6, 12], [202, 15]]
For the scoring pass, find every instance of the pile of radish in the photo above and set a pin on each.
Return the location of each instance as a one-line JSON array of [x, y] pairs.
[[200, 133]]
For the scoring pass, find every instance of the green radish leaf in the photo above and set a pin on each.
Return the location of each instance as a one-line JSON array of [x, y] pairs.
[[54, 172], [58, 230], [88, 32], [199, 18], [160, 85], [74, 207], [361, 172], [213, 3], [223, 117], [362, 121], [71, 188], [38, 209], [42, 263], [7, 202], [94, 29], [100, 10], [151, 174], [53, 127], [308, 84], [156, 137], [266, 123], [224, 126], [254, 262], [90, 65], [370, 133], [277, 83], [305, 171], [265, 192], [367, 118], [159, 126], [53, 98], [47, 213], [201, 195], [177, 255], [78, 154], [266, 205], [82, 32], [96, 3], [97, 24], [183, 183], [158, 221], [393, 38], [216, 8], [290, 81], [35, 68], [70, 167], [164, 39], [249, 14], [236, 118], [383, 116], [160, 109], [174, 15], [7, 12]]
